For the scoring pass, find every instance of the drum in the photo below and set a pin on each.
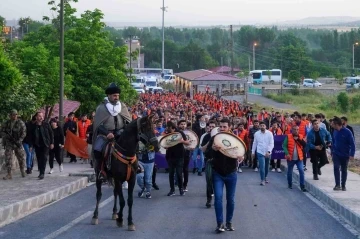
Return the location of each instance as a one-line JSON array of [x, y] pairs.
[[214, 131], [161, 150], [230, 145], [170, 140], [192, 137]]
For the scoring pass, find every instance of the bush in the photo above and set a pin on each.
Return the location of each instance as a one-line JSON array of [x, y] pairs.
[[355, 103], [343, 102], [294, 91]]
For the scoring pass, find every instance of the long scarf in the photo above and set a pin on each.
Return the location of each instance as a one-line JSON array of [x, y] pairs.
[[114, 109]]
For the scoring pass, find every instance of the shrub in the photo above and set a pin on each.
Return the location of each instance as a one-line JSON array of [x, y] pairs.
[[343, 102], [355, 103]]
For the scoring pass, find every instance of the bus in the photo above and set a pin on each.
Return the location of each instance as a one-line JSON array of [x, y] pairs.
[[262, 76], [152, 71]]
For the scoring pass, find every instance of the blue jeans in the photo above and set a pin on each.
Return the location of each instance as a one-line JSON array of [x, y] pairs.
[[230, 184], [263, 166], [144, 179], [340, 164], [300, 166], [29, 155], [199, 165]]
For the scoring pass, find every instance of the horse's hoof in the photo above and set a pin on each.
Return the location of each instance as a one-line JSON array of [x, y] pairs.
[[94, 221], [119, 223], [131, 227], [114, 216]]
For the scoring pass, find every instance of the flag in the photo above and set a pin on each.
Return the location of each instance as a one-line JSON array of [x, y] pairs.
[[75, 145]]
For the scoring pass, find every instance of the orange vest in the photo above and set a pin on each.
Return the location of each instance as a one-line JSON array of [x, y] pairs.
[[291, 145], [82, 128], [302, 128], [243, 135], [262, 117], [278, 131]]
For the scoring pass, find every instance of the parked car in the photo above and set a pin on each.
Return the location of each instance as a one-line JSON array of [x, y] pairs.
[[311, 83], [291, 84], [139, 89]]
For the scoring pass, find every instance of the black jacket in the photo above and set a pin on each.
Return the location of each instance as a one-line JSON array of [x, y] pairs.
[[29, 131], [197, 129], [45, 132]]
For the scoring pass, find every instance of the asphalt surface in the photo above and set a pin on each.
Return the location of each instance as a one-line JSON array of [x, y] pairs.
[[258, 99], [272, 211]]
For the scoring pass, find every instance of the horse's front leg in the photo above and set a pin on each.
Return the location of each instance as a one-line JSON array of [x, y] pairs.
[[118, 188], [95, 219], [131, 226], [114, 215]]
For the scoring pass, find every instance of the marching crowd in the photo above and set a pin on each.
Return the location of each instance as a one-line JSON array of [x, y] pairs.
[[304, 136]]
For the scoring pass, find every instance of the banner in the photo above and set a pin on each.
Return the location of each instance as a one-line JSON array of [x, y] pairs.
[[278, 152], [75, 145]]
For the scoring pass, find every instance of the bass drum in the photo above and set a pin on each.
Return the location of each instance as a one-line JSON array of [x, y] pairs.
[[161, 150], [230, 145], [192, 137]]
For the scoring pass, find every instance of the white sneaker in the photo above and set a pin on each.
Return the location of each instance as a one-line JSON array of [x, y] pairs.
[[51, 171], [273, 170], [279, 170], [239, 170], [256, 169], [61, 168], [125, 185]]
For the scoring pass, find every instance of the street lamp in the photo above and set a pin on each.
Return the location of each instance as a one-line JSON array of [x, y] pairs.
[[163, 38], [254, 45], [356, 43]]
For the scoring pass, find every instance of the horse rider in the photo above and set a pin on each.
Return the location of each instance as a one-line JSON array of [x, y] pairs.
[[13, 133], [111, 116]]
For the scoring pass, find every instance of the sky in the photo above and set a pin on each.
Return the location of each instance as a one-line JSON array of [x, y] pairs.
[[192, 12]]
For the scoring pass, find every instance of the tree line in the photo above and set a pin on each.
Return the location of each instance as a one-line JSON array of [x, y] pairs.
[[96, 55]]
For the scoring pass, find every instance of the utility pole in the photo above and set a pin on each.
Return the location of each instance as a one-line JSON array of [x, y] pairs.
[[356, 43], [254, 45], [281, 80], [163, 40], [232, 49], [249, 65], [130, 42], [61, 103]]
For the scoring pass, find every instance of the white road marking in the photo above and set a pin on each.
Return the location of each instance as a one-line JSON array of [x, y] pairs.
[[77, 220]]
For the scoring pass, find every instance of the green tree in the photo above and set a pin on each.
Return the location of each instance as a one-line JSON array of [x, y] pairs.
[[294, 76], [2, 23], [314, 75], [339, 77]]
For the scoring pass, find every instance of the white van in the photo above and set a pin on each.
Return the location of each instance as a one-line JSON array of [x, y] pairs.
[[150, 83], [352, 82], [169, 79]]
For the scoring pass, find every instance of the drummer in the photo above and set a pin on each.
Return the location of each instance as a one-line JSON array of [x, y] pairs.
[[224, 173], [182, 125], [175, 158]]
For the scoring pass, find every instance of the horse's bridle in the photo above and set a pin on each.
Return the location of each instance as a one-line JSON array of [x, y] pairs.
[[143, 136]]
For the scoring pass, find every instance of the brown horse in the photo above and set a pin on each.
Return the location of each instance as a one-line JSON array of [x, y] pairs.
[[124, 166]]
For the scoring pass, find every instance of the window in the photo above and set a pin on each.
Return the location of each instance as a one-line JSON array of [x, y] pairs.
[[256, 76], [275, 73]]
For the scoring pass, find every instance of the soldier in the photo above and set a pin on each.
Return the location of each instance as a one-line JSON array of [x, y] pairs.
[[13, 133]]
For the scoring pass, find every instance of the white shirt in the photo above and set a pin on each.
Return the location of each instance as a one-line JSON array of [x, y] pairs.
[[263, 142]]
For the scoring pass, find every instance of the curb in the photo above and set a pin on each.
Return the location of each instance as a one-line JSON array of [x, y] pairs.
[[90, 176], [23, 208], [346, 213]]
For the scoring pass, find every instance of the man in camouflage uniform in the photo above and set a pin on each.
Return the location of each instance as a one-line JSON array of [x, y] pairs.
[[13, 133]]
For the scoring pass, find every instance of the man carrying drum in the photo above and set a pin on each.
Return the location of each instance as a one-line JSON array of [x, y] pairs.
[[224, 173]]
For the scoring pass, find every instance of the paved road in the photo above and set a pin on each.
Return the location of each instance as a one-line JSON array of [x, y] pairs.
[[266, 102], [279, 213]]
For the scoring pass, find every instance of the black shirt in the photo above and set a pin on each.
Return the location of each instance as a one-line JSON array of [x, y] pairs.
[[317, 138], [222, 164], [177, 151]]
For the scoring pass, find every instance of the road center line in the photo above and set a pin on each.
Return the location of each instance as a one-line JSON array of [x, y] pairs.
[[77, 220]]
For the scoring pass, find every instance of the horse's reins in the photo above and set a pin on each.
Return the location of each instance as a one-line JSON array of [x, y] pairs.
[[126, 159]]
